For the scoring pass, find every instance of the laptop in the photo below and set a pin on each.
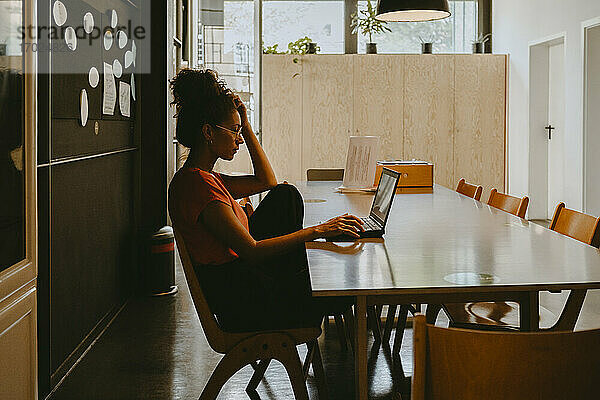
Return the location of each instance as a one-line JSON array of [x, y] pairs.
[[374, 224]]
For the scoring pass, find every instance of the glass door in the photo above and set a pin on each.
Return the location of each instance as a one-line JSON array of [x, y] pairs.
[[12, 139]]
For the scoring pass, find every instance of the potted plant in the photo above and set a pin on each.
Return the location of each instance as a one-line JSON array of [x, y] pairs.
[[368, 25], [426, 47], [272, 49], [479, 44], [303, 45]]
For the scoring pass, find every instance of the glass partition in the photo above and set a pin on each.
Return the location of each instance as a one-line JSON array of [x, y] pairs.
[[12, 178]]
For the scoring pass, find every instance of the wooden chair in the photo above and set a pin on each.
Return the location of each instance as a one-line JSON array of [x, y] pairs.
[[324, 174], [510, 204], [516, 366], [241, 349], [469, 190], [505, 315]]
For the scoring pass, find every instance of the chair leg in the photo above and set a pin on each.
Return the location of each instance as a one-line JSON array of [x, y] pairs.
[[570, 313], [350, 326], [259, 373], [402, 316], [308, 360], [291, 361], [317, 363], [277, 346], [373, 319], [228, 366], [339, 324], [432, 312], [389, 322]]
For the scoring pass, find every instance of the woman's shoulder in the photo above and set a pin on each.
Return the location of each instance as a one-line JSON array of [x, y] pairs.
[[195, 179]]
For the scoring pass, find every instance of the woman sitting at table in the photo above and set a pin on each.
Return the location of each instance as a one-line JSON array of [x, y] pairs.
[[253, 271]]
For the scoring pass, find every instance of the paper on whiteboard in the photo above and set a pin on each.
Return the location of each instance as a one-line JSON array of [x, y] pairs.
[[124, 99], [109, 97], [361, 161]]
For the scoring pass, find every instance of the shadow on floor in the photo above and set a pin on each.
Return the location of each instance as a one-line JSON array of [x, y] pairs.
[[156, 349]]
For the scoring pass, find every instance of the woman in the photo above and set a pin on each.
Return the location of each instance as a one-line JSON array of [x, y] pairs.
[[253, 270]]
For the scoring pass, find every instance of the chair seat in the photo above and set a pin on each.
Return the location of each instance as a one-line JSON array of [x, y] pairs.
[[501, 314]]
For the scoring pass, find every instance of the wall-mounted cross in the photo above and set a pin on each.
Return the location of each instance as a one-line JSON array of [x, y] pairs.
[[549, 128]]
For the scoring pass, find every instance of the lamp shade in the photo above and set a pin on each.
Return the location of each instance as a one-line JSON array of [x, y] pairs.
[[412, 10]]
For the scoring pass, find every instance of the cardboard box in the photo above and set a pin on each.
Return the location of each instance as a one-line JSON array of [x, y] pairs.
[[417, 176]]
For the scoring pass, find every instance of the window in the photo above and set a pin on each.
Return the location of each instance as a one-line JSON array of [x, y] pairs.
[[288, 21], [451, 35]]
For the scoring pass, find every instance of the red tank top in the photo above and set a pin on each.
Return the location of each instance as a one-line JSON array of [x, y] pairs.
[[190, 191]]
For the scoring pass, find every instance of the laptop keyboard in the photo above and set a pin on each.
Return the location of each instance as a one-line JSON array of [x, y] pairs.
[[370, 225]]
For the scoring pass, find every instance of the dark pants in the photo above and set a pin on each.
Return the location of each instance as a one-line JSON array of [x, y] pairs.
[[274, 293]]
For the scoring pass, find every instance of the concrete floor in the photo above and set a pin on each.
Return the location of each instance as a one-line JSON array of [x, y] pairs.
[[156, 349]]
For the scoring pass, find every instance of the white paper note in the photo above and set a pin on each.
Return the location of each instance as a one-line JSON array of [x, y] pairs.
[[109, 97], [361, 161], [124, 99]]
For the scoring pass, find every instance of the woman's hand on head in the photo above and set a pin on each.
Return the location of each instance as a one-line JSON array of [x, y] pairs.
[[241, 109], [343, 225]]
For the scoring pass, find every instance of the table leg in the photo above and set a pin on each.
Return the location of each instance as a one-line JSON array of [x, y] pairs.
[[529, 312], [360, 350]]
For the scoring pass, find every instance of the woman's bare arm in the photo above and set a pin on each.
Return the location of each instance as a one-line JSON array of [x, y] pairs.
[[263, 177], [221, 221]]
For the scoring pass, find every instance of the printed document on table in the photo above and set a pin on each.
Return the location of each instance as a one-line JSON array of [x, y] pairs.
[[109, 97], [361, 162]]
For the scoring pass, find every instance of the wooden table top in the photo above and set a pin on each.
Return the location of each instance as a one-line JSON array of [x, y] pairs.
[[441, 242]]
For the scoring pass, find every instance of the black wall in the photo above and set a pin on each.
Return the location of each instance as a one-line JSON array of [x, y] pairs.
[[90, 189]]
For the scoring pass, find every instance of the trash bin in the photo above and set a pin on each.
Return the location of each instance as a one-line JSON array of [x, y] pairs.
[[160, 271]]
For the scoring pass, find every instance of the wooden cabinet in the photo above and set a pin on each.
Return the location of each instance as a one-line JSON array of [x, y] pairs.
[[446, 109], [18, 345], [429, 113], [378, 101], [283, 120], [327, 110], [479, 122]]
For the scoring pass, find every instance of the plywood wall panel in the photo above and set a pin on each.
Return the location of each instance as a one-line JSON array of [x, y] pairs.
[[282, 115], [480, 120], [378, 101], [327, 110], [429, 113]]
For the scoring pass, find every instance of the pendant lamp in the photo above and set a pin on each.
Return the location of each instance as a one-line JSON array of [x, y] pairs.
[[412, 10]]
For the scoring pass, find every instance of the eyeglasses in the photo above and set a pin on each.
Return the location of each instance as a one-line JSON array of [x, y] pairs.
[[237, 133]]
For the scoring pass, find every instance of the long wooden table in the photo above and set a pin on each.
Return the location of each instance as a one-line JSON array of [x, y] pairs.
[[441, 247]]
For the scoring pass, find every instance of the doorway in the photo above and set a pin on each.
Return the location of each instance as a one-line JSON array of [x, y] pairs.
[[591, 117], [546, 125]]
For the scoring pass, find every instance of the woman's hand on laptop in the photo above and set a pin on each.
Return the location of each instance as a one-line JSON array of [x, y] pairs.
[[343, 225]]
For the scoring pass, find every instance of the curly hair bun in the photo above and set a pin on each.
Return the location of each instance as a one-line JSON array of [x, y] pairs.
[[200, 98]]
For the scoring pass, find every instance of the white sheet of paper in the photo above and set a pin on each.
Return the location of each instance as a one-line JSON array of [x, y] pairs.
[[109, 97], [125, 99], [361, 161]]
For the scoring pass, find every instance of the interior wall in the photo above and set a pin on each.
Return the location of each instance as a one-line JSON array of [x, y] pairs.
[[592, 203], [516, 25]]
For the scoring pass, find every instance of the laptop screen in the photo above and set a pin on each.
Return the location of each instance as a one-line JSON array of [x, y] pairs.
[[382, 203]]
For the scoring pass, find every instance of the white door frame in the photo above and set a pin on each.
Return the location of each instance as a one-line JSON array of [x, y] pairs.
[[585, 26], [538, 116]]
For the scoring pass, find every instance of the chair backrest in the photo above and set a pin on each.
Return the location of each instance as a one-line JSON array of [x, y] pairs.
[[324, 174], [469, 190], [582, 227], [217, 338], [452, 363], [510, 204]]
